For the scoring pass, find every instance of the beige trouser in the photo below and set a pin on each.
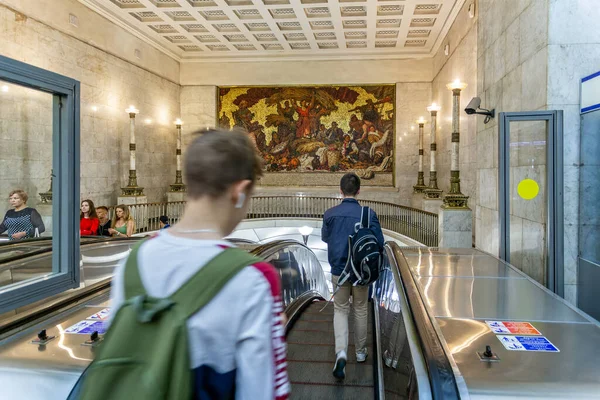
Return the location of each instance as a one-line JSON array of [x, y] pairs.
[[341, 302]]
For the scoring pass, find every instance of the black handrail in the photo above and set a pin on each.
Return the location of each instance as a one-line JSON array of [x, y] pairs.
[[441, 375], [46, 247]]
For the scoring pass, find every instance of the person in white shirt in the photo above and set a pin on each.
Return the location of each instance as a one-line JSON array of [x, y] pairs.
[[237, 341]]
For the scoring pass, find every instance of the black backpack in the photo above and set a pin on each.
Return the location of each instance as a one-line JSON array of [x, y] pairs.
[[364, 254]]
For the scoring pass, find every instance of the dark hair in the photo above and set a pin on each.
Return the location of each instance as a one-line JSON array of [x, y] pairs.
[[350, 184], [102, 208], [92, 212], [216, 159], [164, 219]]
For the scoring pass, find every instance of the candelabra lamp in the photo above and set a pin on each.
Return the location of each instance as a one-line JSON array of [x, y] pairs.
[[178, 186], [432, 191], [132, 189], [420, 186], [47, 196], [454, 198]]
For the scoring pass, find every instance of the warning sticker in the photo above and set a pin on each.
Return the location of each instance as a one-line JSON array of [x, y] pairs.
[[100, 315], [527, 343], [88, 327], [514, 328]]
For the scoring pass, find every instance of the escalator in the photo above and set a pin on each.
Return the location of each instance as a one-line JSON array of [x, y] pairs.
[[311, 354], [396, 367]]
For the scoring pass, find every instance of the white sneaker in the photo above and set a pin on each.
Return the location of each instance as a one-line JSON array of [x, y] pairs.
[[339, 369], [361, 356]]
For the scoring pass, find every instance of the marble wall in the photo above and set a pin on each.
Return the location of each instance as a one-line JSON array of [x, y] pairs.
[[532, 55], [109, 84], [511, 76], [460, 63]]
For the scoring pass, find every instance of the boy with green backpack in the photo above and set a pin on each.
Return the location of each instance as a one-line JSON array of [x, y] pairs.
[[192, 317]]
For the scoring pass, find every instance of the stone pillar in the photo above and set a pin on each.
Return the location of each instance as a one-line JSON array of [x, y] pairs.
[[178, 186], [455, 228], [454, 198], [177, 190], [132, 189], [420, 186], [432, 200], [133, 194]]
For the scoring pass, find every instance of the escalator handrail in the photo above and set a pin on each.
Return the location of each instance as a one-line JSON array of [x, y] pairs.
[[273, 247], [48, 248], [441, 374]]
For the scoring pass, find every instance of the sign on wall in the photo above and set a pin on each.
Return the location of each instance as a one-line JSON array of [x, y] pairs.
[[316, 128], [590, 93]]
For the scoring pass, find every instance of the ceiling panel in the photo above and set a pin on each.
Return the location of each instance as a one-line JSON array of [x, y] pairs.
[[196, 30]]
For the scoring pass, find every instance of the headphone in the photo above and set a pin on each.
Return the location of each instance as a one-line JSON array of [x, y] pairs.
[[241, 200]]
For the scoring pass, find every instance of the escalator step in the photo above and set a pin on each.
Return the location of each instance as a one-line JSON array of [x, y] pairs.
[[323, 325], [321, 337], [338, 392], [319, 373]]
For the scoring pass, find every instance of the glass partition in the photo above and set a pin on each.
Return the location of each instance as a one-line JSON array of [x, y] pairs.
[[26, 121], [39, 154], [530, 185]]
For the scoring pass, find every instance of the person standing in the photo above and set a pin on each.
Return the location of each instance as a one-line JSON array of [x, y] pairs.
[[104, 222], [22, 222], [339, 223], [88, 219], [237, 340]]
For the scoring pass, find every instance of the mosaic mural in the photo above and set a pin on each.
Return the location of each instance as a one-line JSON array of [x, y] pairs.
[[315, 128]]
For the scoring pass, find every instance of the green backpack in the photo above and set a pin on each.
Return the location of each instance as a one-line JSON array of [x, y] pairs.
[[145, 353]]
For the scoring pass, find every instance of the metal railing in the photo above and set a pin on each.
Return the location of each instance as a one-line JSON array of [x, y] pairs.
[[418, 225]]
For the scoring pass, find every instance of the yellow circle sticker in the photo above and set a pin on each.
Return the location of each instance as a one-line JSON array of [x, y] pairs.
[[528, 189]]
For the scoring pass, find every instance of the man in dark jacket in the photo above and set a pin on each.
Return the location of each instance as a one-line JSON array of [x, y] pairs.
[[339, 223]]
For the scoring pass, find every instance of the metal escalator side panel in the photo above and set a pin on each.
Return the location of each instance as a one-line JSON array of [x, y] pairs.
[[445, 379], [302, 277]]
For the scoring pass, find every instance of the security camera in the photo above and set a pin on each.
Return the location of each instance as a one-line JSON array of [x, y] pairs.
[[474, 106]]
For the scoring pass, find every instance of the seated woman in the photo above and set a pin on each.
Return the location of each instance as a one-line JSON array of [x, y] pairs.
[[23, 222], [122, 223], [88, 219]]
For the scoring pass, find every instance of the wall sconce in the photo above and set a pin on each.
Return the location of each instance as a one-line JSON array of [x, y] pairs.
[[447, 49], [4, 88], [132, 110], [305, 231]]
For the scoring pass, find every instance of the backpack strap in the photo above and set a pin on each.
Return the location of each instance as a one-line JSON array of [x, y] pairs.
[[365, 217], [201, 288], [133, 281]]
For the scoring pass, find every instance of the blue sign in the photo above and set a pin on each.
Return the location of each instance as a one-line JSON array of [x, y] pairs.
[[88, 327], [527, 343], [590, 93]]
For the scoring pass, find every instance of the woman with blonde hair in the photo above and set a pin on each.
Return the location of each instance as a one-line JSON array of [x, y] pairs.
[[22, 222], [122, 223]]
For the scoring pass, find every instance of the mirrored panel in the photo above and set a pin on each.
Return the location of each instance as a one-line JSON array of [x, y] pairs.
[[27, 124]]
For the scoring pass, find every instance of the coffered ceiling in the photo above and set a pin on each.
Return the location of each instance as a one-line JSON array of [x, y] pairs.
[[210, 30]]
